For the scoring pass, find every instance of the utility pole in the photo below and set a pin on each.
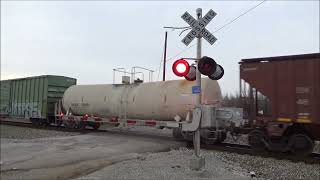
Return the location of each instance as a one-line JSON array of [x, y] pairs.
[[165, 57]]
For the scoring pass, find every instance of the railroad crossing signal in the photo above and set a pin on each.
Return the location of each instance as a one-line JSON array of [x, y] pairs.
[[206, 66], [198, 27]]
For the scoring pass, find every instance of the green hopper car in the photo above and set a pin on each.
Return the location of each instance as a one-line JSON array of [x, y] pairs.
[[32, 97]]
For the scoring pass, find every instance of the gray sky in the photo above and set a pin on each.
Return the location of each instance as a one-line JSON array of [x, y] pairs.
[[86, 40]]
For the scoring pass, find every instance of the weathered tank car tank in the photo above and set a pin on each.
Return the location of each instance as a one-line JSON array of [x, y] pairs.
[[164, 100]]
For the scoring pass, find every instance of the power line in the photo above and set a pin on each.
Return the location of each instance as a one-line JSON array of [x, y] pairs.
[[239, 16], [230, 22], [181, 52]]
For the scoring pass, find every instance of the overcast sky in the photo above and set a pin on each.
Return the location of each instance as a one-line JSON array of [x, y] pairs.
[[86, 40]]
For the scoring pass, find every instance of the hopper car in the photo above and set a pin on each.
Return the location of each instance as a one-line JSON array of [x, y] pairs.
[[281, 100]]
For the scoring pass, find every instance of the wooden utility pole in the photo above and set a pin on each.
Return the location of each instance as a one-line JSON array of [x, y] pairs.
[[165, 57]]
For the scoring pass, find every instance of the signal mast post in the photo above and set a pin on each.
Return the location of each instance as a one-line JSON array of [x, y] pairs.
[[198, 31], [198, 162]]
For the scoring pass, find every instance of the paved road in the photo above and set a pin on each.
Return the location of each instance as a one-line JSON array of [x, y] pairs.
[[73, 156]]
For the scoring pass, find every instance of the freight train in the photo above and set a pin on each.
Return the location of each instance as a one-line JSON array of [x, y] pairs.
[[280, 101]]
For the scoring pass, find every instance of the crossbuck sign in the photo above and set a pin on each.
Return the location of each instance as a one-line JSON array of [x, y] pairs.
[[198, 27]]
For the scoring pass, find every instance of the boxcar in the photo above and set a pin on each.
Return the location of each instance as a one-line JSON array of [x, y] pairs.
[[282, 95], [33, 97]]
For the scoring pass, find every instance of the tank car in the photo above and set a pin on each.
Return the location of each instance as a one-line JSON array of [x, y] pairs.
[[163, 101], [152, 102]]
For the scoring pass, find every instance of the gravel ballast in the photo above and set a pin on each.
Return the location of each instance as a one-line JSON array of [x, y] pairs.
[[169, 165], [271, 168], [219, 165]]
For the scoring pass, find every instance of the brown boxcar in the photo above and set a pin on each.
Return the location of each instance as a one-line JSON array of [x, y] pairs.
[[282, 96]]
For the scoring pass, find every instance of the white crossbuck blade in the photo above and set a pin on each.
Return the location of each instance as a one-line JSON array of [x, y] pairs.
[[198, 27]]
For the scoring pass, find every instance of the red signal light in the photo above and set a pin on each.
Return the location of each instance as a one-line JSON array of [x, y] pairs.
[[180, 67], [61, 114]]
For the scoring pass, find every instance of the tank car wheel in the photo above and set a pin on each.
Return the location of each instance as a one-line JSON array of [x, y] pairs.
[[35, 122], [187, 136], [222, 137], [45, 124], [70, 124], [73, 125], [176, 133], [301, 144], [256, 140], [59, 123], [208, 141], [38, 123], [96, 126], [81, 125]]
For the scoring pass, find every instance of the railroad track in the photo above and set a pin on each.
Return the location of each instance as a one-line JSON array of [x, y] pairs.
[[314, 158], [85, 131], [30, 125]]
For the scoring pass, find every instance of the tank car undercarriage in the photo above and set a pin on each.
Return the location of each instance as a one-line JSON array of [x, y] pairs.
[[207, 136]]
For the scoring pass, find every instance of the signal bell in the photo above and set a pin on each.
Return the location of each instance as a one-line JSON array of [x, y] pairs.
[[207, 66], [191, 76]]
